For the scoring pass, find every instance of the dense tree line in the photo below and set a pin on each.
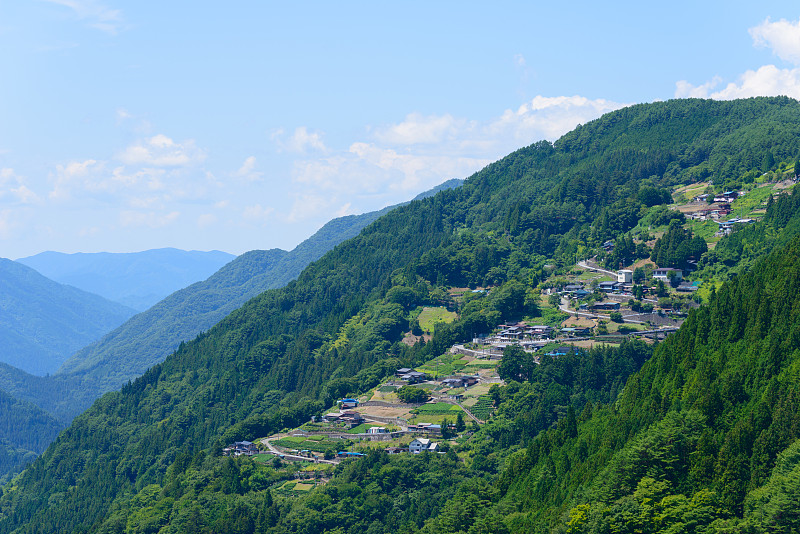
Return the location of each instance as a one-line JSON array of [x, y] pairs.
[[695, 438], [676, 246]]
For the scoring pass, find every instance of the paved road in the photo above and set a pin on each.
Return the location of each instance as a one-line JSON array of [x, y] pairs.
[[595, 267], [564, 306], [291, 457]]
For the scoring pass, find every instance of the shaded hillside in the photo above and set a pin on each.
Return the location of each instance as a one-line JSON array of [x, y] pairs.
[[129, 461], [54, 394], [42, 322], [25, 432], [135, 279]]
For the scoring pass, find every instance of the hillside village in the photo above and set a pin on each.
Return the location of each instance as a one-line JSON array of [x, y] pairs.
[[583, 307]]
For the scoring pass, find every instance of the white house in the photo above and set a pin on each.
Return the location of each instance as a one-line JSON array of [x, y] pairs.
[[422, 444], [625, 276], [663, 274]]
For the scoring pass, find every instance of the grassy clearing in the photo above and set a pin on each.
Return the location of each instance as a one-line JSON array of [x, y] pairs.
[[430, 316], [443, 365], [477, 391], [551, 316], [318, 467], [692, 190], [752, 201], [705, 229], [625, 328], [439, 408], [432, 419], [588, 276]]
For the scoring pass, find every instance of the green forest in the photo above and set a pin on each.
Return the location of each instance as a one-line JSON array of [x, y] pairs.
[[697, 433]]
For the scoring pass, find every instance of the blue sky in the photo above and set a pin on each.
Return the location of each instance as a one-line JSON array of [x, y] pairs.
[[200, 125]]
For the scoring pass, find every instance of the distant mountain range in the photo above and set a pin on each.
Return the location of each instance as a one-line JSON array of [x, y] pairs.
[[136, 279], [43, 322]]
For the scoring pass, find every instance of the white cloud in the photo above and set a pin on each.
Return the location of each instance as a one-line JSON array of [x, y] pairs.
[[300, 142], [76, 175], [96, 14], [418, 129], [247, 170], [684, 89], [25, 195], [14, 189], [89, 231], [161, 151], [396, 161], [783, 37], [767, 80], [6, 176], [540, 118], [549, 117]]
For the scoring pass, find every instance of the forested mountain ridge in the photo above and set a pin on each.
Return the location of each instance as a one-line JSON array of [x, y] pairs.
[[42, 322], [136, 279], [150, 336], [138, 458]]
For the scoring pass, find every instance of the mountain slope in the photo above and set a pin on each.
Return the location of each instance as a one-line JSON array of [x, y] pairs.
[[135, 279], [151, 336], [289, 352], [43, 322], [54, 394], [25, 432], [696, 433]]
